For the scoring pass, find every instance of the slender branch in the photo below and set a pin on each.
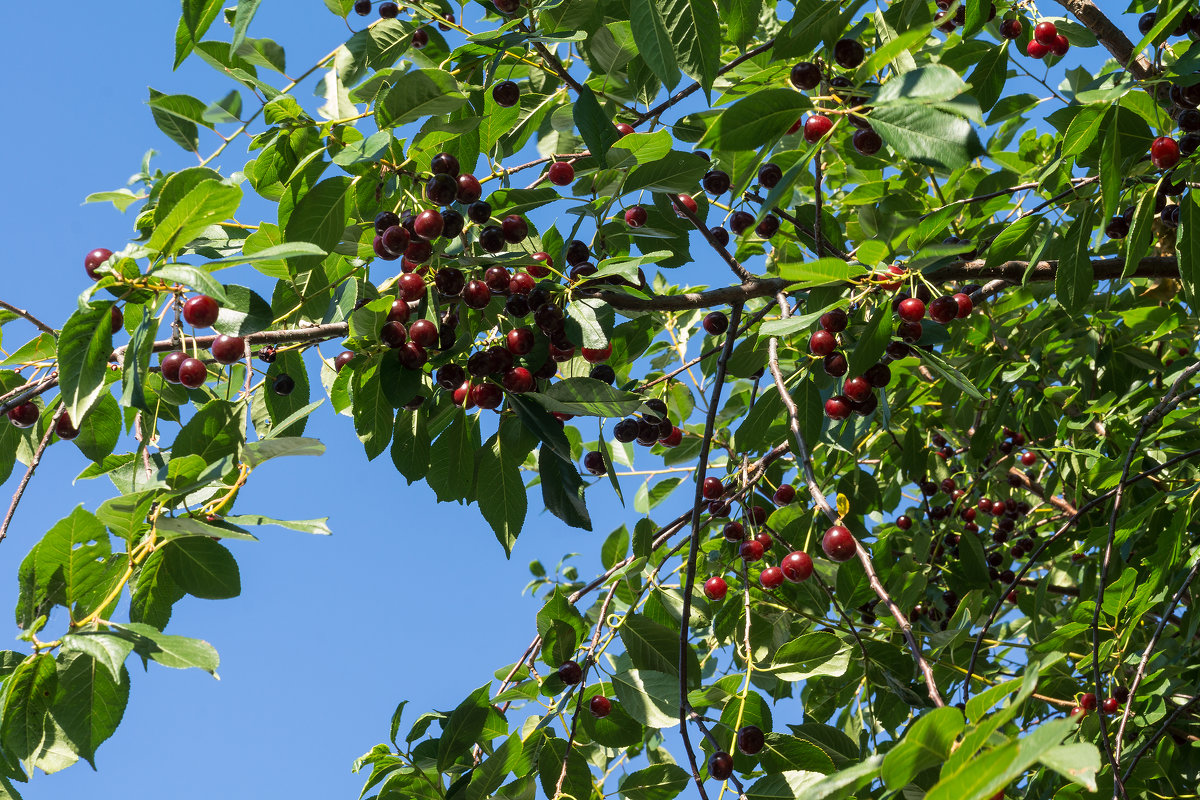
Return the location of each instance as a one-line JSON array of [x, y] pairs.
[[726, 295], [554, 63], [20, 312], [697, 504], [33, 464], [737, 268], [683, 93], [1103, 269], [43, 386], [1061, 503], [1158, 734], [827, 245]]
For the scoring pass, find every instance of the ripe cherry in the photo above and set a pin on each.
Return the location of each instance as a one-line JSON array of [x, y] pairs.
[[715, 323], [283, 385], [822, 343], [201, 311], [192, 373], [784, 495], [673, 439], [867, 142], [561, 173], [1088, 701], [423, 332], [1010, 28], [805, 75], [796, 566], [519, 341], [594, 355], [857, 389], [904, 522], [593, 462], [487, 395], [1036, 49], [93, 260], [965, 306], [468, 190], [771, 578], [411, 286], [751, 550], [635, 217], [943, 309], [506, 94], [600, 706], [521, 283], [518, 380], [878, 375], [716, 181], [395, 240], [388, 10], [911, 310], [170, 365], [476, 294], [25, 415], [577, 253], [750, 739], [686, 201], [66, 430], [515, 228], [228, 349], [768, 227], [624, 128], [343, 358], [429, 224], [712, 488], [1164, 152], [715, 588], [838, 543], [362, 7], [441, 189], [497, 278], [420, 38], [720, 765], [835, 365], [570, 673], [837, 407], [769, 175], [1060, 45], [1110, 705], [1029, 459], [815, 127], [1045, 32], [848, 53], [733, 532]]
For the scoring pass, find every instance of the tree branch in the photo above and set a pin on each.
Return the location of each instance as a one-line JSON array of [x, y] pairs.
[[33, 464], [1109, 35], [683, 93], [20, 312]]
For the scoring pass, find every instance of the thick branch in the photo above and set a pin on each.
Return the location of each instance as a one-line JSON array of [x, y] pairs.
[[1109, 35], [1103, 269]]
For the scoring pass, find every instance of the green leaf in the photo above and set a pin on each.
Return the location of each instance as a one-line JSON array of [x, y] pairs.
[[178, 652], [655, 647], [944, 369], [208, 203], [638, 148], [1011, 241], [373, 414], [562, 489], [988, 77], [821, 271], [173, 120], [264, 450], [652, 698], [84, 346], [808, 655], [578, 783], [677, 171], [320, 219], [595, 318], [1078, 762], [197, 16], [410, 445], [594, 125], [417, 94], [100, 429], [108, 650], [931, 84], [154, 593], [1074, 278], [659, 782], [39, 348], [928, 135], [653, 41], [691, 24], [241, 22], [1111, 176], [757, 119], [588, 397], [561, 627], [216, 431], [451, 475], [504, 504], [91, 703], [488, 776], [282, 408], [136, 364], [71, 559], [314, 526], [984, 775], [29, 692], [185, 527], [872, 342], [273, 253], [194, 277], [463, 727], [1141, 230], [1188, 247], [203, 568], [1083, 130], [926, 744]]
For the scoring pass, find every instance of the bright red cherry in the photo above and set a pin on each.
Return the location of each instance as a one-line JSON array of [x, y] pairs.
[[201, 311], [424, 332], [765, 540], [911, 309], [672, 439], [518, 380], [857, 389], [228, 349], [1110, 705], [688, 202], [784, 495], [771, 578], [965, 306], [594, 355], [25, 415], [1164, 152], [600, 706], [411, 286], [822, 343], [561, 173], [93, 260], [1088, 701], [1045, 32], [715, 588], [1060, 45], [712, 488], [796, 566], [635, 216], [1036, 49], [624, 128], [815, 127], [1029, 459], [462, 396], [838, 543], [519, 341], [193, 373], [751, 550], [837, 407]]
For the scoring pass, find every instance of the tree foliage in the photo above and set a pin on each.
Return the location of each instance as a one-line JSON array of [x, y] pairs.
[[917, 372]]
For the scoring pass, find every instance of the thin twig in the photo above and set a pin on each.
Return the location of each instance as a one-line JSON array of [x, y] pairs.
[[20, 312], [33, 463], [683, 93], [694, 549], [738, 270]]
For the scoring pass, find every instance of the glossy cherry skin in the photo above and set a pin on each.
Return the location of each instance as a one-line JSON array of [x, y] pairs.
[[1029, 459], [1110, 705], [751, 550], [733, 532], [468, 189], [412, 355], [170, 365], [66, 430], [429, 224], [805, 75], [716, 181], [965, 306], [343, 358], [835, 321], [561, 173], [771, 578], [537, 270], [506, 94], [673, 439], [796, 566], [838, 543], [904, 522], [835, 365], [815, 127], [624, 128], [837, 407], [857, 389], [600, 706], [635, 217], [201, 311], [570, 673], [911, 310], [593, 462], [1060, 45], [715, 588], [1164, 152], [595, 355], [1088, 701], [519, 341], [1010, 28], [1045, 32], [848, 53], [444, 163], [193, 373], [93, 260], [720, 765], [822, 343], [712, 488], [411, 286], [784, 495], [750, 739], [687, 202], [424, 332], [476, 294], [388, 10], [25, 415], [518, 380], [487, 395], [228, 349]]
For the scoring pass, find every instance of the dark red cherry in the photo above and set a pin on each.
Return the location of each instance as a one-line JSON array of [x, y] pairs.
[[848, 53], [201, 311], [228, 349], [506, 94], [468, 189], [715, 323], [720, 765], [712, 488], [429, 224], [25, 415], [796, 566], [635, 216], [570, 673], [411, 286], [444, 163], [600, 706], [805, 75], [561, 173], [423, 332], [170, 365], [815, 127], [476, 294], [193, 373], [518, 380], [491, 238], [66, 430], [93, 260], [838, 543], [750, 739], [441, 189], [514, 228]]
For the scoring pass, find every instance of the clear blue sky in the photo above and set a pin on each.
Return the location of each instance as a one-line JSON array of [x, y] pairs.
[[408, 600]]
